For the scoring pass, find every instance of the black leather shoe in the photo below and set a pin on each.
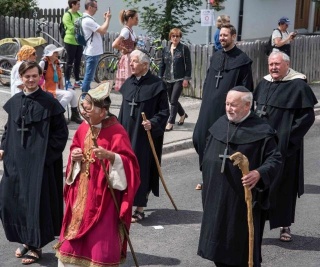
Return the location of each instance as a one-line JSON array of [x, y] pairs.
[[182, 118]]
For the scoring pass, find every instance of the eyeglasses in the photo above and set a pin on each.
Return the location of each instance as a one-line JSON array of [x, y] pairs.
[[175, 36]]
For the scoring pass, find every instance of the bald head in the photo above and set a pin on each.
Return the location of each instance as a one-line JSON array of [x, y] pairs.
[[238, 105]]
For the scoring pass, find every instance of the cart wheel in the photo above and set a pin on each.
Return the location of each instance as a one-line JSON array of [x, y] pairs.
[[5, 75]]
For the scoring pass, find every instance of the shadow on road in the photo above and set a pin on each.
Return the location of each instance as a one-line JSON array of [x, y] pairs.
[[307, 243], [170, 216], [311, 189], [150, 260]]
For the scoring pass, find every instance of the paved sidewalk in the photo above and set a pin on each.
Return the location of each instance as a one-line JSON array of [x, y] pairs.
[[181, 136], [178, 139]]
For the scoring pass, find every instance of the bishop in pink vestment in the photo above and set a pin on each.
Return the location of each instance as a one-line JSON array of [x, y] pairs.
[[91, 233]]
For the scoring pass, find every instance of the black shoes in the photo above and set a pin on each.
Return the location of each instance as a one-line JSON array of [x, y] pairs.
[[182, 118], [75, 117]]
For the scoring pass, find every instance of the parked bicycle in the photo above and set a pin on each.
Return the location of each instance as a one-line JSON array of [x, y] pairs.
[[108, 62]]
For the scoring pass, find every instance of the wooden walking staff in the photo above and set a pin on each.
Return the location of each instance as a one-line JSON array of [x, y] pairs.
[[243, 164], [94, 139], [157, 162]]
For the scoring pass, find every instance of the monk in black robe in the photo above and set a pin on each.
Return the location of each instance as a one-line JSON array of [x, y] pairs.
[[286, 101], [31, 204], [229, 67], [224, 228], [144, 92]]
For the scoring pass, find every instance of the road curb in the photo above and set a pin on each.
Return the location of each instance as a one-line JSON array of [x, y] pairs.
[[187, 143], [177, 146]]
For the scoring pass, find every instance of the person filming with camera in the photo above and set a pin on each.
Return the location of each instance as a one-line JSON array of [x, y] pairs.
[[281, 38]]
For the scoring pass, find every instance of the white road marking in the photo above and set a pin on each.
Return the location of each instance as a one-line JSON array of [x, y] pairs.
[[6, 92]]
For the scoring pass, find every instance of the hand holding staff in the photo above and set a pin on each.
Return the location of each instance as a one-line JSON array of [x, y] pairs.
[[157, 162], [243, 164], [94, 139]]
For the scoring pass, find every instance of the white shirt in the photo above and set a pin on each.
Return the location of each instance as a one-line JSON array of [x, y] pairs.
[[277, 34], [94, 46], [125, 32], [15, 79]]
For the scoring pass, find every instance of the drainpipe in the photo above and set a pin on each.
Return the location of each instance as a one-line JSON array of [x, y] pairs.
[[240, 20], [209, 28]]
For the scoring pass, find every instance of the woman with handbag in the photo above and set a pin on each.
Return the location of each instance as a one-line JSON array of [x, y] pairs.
[[175, 68], [125, 43]]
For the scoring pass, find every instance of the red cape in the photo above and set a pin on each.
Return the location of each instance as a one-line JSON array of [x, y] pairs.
[[100, 219]]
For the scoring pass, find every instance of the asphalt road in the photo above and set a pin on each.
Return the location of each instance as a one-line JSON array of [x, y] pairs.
[[170, 238]]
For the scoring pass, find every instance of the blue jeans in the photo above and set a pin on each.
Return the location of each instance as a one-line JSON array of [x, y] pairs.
[[91, 65]]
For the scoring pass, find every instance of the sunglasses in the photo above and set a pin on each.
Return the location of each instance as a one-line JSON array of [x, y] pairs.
[[175, 36]]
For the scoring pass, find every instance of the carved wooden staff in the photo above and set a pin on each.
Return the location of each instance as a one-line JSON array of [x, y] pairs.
[[157, 162], [94, 139], [243, 164]]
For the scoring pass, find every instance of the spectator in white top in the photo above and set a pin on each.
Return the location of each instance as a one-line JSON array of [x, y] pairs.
[[125, 43], [26, 53], [281, 38], [94, 48]]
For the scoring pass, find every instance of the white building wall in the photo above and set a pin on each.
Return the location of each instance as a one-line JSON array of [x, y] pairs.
[[260, 17], [52, 3]]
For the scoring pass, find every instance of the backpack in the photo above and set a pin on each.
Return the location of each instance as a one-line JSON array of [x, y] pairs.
[[268, 48], [78, 32], [62, 28], [44, 71]]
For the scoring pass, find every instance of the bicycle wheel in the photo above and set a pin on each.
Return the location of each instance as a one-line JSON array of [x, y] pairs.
[[63, 61], [107, 68], [5, 70], [154, 66], [82, 69]]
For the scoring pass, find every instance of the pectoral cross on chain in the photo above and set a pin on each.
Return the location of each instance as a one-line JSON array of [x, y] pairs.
[[218, 76], [87, 159], [132, 104], [22, 130], [224, 156], [261, 112]]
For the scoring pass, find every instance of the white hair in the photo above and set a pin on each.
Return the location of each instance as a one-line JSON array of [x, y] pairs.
[[143, 57], [247, 97], [285, 57]]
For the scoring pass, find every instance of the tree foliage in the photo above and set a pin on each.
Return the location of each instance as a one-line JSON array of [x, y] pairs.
[[158, 17], [11, 7]]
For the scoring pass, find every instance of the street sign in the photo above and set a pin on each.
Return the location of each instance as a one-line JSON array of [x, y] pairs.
[[206, 17]]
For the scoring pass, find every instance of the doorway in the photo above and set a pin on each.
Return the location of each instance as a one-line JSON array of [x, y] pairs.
[[302, 14], [316, 26]]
